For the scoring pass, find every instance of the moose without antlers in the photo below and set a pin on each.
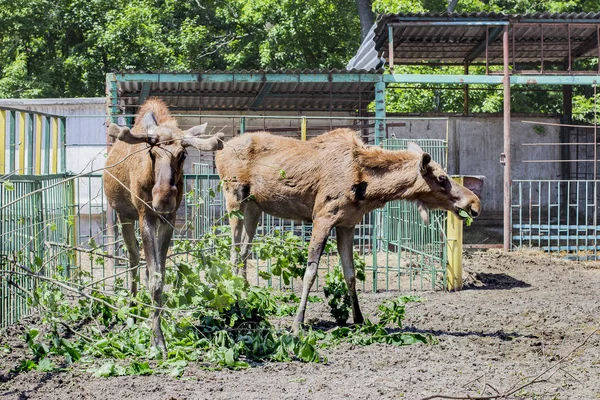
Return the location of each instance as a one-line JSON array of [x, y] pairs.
[[143, 181], [332, 181]]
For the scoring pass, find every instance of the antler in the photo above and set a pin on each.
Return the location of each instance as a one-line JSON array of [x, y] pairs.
[[124, 134], [213, 143]]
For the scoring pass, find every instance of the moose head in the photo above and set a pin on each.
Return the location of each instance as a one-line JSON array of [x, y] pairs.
[[167, 146]]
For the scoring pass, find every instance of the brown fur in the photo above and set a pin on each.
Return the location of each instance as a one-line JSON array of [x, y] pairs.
[[331, 181], [143, 181]]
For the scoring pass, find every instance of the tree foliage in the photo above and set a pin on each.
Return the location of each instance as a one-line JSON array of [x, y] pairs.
[[64, 48]]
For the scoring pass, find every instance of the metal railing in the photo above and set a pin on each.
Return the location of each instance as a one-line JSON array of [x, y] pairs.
[[557, 216]]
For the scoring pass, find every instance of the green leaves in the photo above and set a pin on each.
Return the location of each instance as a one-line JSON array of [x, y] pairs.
[[468, 219], [8, 185], [335, 288], [211, 316]]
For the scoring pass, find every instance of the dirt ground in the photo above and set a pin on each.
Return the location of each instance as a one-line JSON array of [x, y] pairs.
[[520, 314]]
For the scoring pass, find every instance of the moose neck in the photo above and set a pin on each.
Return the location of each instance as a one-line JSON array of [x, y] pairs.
[[389, 175]]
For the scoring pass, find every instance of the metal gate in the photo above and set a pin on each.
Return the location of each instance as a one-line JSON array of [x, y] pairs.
[[419, 249]]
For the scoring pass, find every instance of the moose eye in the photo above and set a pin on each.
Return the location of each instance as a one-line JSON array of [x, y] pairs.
[[442, 179]]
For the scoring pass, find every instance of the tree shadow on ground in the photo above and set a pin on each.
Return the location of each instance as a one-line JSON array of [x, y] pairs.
[[500, 334], [488, 281]]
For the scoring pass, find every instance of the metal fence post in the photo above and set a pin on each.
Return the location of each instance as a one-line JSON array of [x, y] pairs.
[[379, 112]]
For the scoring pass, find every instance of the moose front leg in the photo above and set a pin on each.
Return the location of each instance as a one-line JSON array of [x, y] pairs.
[[321, 229], [156, 236], [133, 252], [345, 245]]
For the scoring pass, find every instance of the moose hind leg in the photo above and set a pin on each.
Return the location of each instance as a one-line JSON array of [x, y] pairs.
[[133, 252], [345, 245], [251, 216], [318, 239]]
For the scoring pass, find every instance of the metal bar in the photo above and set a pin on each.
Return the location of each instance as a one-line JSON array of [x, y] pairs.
[[380, 112], [262, 95], [2, 141], [23, 110], [466, 93], [557, 144], [557, 161], [448, 23], [245, 77], [144, 93], [12, 141], [487, 51], [569, 40], [481, 46], [30, 143], [542, 49], [507, 157], [62, 126], [391, 48], [38, 144]]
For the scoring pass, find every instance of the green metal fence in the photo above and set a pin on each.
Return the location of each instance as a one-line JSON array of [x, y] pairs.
[[58, 224], [36, 213], [412, 249], [557, 216]]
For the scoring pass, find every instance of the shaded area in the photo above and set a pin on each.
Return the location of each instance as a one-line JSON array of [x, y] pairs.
[[493, 281]]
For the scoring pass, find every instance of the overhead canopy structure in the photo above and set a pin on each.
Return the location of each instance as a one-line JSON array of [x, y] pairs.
[[544, 40], [238, 91]]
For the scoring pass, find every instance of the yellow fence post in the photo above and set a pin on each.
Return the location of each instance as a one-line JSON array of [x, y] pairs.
[[303, 129], [454, 235], [38, 144], [54, 145], [22, 143], [2, 141]]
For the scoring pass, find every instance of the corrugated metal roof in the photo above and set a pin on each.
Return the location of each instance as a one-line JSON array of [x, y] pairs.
[[460, 37], [260, 94]]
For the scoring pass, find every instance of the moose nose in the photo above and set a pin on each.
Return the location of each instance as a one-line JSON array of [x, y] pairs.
[[474, 213]]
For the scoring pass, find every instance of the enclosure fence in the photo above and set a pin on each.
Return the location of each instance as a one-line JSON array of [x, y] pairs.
[[561, 215], [54, 222]]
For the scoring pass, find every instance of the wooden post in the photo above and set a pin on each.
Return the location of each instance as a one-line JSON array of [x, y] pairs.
[[454, 235]]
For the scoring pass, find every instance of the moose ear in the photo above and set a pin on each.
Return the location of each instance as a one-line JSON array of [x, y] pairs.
[[196, 130], [149, 122], [412, 146], [425, 160]]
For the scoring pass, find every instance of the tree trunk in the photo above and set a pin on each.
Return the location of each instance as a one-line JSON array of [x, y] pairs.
[[365, 13]]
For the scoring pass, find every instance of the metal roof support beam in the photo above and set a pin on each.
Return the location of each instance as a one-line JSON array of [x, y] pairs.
[[250, 77], [262, 94], [144, 93], [505, 157], [449, 23], [480, 48], [492, 79]]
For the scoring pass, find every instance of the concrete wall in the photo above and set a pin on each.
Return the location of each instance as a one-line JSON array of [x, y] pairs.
[[475, 145]]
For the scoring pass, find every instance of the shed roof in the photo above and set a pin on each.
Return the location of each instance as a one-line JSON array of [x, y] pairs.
[[461, 37], [289, 90]]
